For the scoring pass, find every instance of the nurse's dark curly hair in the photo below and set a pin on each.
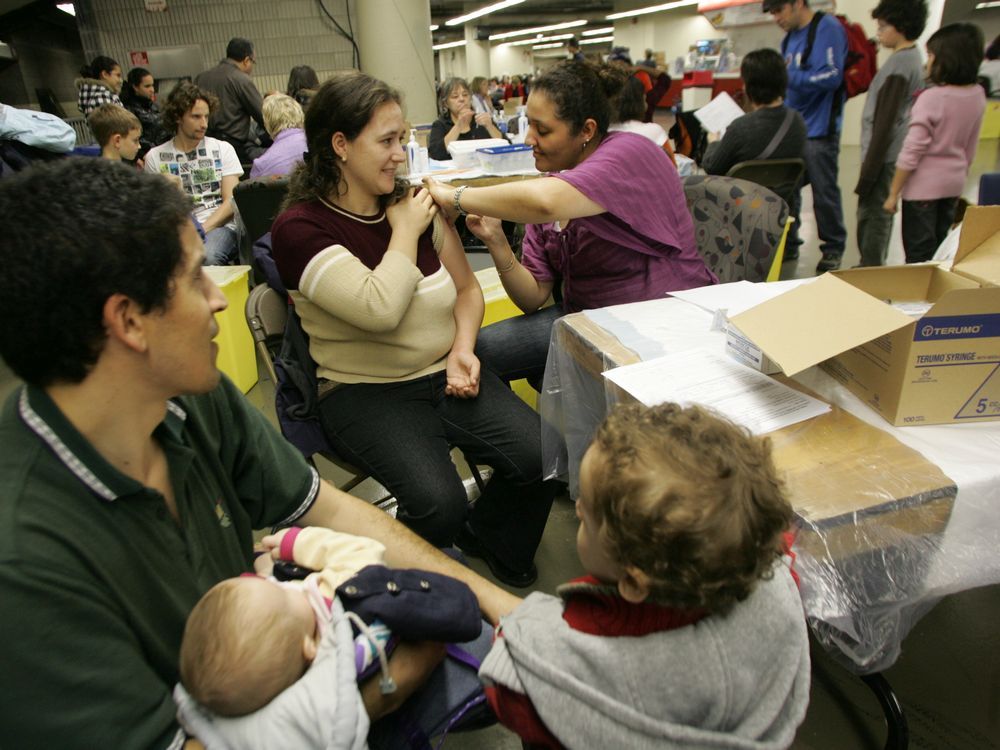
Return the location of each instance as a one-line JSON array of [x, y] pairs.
[[581, 91]]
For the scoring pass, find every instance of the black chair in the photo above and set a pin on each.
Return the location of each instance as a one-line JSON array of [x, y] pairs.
[[257, 203], [782, 176], [267, 314]]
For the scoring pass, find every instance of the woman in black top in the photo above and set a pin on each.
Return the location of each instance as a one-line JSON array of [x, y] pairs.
[[137, 98], [458, 122]]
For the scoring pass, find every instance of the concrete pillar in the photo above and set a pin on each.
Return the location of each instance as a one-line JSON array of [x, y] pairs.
[[477, 55], [395, 41]]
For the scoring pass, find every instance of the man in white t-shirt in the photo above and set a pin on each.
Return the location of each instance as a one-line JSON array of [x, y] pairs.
[[208, 169]]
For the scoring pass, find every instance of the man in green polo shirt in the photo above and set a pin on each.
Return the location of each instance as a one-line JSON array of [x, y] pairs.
[[131, 478]]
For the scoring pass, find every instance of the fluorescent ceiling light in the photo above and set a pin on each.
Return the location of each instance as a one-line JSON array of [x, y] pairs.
[[538, 40], [983, 6], [651, 9], [434, 27], [593, 32], [485, 10], [537, 30], [449, 45], [597, 40], [67, 8], [549, 46]]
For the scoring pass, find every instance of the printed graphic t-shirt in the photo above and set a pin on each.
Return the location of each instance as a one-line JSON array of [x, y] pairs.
[[201, 170]]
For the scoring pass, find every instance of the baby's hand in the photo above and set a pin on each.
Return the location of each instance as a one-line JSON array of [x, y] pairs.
[[272, 545], [263, 565]]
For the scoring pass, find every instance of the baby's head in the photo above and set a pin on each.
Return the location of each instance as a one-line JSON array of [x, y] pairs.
[[679, 506], [245, 641]]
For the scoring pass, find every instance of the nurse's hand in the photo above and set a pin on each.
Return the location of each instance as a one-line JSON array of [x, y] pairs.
[[486, 228]]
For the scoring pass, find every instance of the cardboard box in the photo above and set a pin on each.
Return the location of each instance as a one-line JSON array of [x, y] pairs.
[[978, 254], [943, 366]]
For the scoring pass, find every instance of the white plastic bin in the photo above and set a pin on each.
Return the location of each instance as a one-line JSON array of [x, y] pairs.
[[501, 159]]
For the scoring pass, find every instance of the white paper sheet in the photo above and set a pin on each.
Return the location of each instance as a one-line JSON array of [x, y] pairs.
[[737, 296], [703, 377], [655, 327], [719, 113]]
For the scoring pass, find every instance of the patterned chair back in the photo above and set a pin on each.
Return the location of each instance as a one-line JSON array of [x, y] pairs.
[[737, 225]]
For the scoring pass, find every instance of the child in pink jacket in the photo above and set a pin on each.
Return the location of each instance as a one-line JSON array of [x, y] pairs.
[[941, 141]]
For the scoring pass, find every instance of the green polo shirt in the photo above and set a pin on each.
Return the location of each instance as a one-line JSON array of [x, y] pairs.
[[97, 579]]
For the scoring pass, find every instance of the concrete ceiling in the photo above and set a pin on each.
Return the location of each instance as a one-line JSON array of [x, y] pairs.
[[6, 6], [524, 15]]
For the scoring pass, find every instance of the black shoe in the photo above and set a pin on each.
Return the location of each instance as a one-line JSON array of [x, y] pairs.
[[469, 543], [829, 262], [791, 253]]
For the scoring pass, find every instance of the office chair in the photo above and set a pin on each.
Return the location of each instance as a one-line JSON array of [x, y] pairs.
[[782, 176], [257, 203], [738, 225]]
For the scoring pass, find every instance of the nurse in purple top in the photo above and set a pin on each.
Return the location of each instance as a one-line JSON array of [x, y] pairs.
[[608, 225]]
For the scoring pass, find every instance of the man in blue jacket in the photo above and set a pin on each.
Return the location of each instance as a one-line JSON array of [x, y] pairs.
[[815, 89]]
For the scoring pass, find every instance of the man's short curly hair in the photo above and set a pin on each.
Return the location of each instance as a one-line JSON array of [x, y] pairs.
[[71, 240], [908, 17], [691, 500], [182, 99]]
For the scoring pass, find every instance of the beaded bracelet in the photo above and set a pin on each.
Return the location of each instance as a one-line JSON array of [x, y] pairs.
[[457, 200]]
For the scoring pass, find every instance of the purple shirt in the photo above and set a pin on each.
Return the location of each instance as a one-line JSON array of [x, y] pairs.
[[941, 141], [284, 154], [642, 246]]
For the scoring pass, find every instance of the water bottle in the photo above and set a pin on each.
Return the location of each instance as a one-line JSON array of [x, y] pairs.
[[413, 153]]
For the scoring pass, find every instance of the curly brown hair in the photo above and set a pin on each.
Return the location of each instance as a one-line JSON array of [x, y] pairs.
[[343, 104], [182, 99], [691, 500]]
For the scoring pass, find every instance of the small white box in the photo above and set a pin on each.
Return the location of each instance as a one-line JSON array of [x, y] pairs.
[[743, 350]]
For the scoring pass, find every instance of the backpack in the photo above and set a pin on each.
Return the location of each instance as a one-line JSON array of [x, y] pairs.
[[296, 400], [860, 63]]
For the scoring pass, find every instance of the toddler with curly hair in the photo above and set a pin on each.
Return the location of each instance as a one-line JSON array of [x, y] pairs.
[[688, 629]]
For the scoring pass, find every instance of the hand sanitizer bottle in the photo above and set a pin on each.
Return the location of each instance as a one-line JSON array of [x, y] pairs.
[[413, 153], [522, 125]]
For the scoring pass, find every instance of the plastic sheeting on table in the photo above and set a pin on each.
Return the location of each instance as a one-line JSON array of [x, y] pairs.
[[922, 516]]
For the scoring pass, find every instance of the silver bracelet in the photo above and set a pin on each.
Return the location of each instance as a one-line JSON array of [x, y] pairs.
[[456, 200]]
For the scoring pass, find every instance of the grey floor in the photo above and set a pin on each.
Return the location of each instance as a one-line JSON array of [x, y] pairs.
[[948, 676]]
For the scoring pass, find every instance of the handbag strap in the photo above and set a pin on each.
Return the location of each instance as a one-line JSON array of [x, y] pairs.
[[773, 145]]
